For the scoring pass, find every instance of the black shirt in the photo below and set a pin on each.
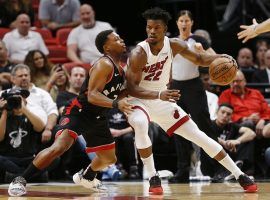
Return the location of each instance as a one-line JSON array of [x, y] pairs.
[[63, 98], [20, 138], [228, 132]]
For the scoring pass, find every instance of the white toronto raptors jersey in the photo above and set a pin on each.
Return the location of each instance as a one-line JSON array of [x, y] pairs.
[[156, 73], [182, 68]]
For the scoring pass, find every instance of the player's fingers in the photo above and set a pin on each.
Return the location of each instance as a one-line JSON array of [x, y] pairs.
[[254, 21], [240, 34], [245, 40], [172, 100], [244, 27], [174, 91], [130, 98]]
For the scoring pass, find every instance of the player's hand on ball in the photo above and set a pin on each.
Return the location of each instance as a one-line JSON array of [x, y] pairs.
[[226, 56], [170, 95], [125, 106]]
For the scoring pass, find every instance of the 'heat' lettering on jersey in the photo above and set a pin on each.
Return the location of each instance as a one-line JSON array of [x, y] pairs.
[[154, 71]]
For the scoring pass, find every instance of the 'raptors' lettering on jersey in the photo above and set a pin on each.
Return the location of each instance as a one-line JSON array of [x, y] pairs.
[[156, 73], [112, 89]]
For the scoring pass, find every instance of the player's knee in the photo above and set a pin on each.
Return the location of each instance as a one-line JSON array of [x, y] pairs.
[[142, 141], [139, 124]]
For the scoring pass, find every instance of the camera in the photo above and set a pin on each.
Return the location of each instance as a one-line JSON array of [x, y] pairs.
[[12, 96]]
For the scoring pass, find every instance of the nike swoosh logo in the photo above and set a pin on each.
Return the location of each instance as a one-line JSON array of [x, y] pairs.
[[116, 74]]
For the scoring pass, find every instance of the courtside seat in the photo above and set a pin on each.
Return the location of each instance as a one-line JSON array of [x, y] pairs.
[[62, 35], [58, 54], [47, 36]]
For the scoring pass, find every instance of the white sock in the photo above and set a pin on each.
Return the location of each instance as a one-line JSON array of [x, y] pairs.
[[149, 166], [228, 163]]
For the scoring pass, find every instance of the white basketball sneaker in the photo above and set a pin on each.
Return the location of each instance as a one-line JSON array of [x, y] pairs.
[[94, 185], [17, 187]]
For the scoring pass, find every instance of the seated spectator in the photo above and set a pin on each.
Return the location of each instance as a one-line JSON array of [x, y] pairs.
[[40, 68], [39, 101], [205, 34], [212, 98], [261, 48], [250, 107], [263, 75], [59, 14], [21, 40], [5, 67], [10, 9], [77, 76], [18, 140], [81, 40], [245, 63], [58, 81], [124, 138], [236, 140]]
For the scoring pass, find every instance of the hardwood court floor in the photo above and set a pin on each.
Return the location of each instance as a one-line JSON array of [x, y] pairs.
[[139, 191]]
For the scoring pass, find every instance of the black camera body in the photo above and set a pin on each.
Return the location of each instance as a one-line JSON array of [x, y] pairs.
[[13, 98]]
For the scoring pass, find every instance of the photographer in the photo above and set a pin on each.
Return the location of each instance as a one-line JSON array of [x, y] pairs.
[[18, 133], [39, 101]]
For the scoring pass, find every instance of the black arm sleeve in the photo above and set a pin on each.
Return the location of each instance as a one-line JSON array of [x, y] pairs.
[[201, 40]]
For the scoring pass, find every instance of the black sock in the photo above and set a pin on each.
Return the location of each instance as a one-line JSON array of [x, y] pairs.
[[89, 174], [30, 171]]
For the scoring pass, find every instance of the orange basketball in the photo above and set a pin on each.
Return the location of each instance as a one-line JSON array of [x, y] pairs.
[[223, 70]]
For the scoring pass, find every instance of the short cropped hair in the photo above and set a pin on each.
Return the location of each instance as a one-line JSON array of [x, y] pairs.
[[157, 14], [101, 39], [19, 66], [226, 105]]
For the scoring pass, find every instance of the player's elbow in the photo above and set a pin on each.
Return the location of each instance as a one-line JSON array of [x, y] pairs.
[[91, 97]]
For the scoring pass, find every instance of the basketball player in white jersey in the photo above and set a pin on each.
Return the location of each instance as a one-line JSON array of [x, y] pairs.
[[147, 76]]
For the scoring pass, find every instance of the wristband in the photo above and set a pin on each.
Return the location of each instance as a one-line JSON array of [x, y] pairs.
[[254, 29], [115, 104], [159, 94]]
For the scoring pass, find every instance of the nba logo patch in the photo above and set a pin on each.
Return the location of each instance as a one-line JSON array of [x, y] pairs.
[[176, 114], [64, 121]]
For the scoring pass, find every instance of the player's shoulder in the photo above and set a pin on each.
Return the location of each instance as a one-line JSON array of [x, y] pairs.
[[137, 51]]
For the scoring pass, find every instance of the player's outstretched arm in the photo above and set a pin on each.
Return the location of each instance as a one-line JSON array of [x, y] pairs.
[[198, 58], [251, 31]]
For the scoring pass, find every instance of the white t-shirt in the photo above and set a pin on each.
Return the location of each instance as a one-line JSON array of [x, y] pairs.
[[212, 101], [182, 68], [41, 103], [85, 39], [18, 46]]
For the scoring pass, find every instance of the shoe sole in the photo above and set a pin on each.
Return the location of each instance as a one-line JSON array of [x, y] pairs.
[[156, 190], [251, 189], [16, 194], [76, 179]]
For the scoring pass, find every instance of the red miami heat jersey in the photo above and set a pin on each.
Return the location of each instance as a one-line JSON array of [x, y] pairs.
[[156, 73]]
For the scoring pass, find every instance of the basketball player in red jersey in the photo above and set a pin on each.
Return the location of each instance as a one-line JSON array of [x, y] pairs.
[[148, 74], [87, 115]]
